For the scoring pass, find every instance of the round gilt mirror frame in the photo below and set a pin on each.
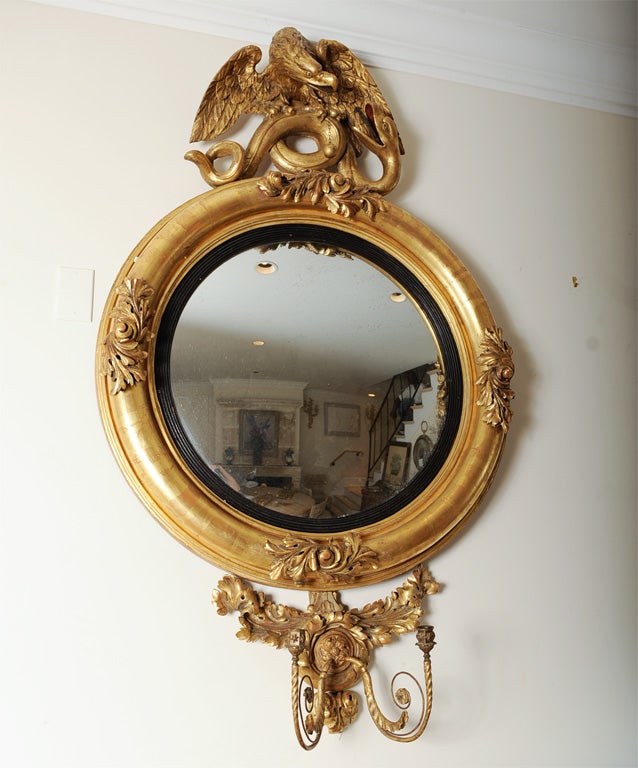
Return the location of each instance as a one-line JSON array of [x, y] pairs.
[[211, 526], [323, 93]]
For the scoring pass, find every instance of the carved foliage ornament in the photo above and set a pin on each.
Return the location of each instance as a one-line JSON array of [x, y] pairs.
[[124, 354], [303, 559], [321, 250], [376, 624], [332, 190], [494, 382]]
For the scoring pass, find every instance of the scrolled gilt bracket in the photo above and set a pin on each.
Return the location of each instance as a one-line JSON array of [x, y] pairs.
[[316, 91], [331, 648], [124, 354], [494, 383]]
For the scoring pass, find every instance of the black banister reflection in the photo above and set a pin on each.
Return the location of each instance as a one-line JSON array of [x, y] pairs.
[[343, 453]]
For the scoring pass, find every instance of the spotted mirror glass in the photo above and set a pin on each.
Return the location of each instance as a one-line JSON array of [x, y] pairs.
[[303, 381]]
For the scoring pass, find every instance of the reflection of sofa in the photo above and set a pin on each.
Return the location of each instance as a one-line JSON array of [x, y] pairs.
[[225, 475], [286, 501]]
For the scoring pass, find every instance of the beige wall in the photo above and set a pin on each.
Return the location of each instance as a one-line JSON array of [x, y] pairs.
[[111, 653]]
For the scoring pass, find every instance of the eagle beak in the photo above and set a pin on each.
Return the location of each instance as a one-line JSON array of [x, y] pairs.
[[324, 80]]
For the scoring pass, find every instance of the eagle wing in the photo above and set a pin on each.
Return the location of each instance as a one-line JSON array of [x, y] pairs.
[[234, 90], [357, 92]]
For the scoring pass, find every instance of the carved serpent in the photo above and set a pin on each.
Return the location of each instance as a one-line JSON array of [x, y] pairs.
[[333, 150], [270, 137]]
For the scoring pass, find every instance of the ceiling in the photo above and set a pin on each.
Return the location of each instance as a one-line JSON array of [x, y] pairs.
[[579, 52], [328, 321]]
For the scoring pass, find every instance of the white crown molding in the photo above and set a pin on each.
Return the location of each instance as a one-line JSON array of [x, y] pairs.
[[417, 37]]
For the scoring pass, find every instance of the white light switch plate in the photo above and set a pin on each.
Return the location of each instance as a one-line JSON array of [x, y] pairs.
[[74, 294]]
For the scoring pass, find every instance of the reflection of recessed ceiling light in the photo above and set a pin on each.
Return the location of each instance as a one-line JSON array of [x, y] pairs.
[[266, 267], [371, 394], [258, 343], [398, 297]]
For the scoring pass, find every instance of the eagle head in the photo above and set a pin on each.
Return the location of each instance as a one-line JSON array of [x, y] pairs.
[[294, 56]]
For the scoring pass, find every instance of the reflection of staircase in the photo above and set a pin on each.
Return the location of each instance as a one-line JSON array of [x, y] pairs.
[[345, 503], [396, 410]]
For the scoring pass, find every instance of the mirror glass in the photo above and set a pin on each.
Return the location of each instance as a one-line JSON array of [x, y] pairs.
[[306, 379]]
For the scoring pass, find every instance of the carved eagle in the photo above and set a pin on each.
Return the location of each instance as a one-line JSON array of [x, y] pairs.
[[300, 77]]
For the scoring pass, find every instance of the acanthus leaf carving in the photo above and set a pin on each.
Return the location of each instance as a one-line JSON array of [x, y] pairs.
[[494, 382], [398, 613], [260, 618], [303, 558], [123, 356], [332, 190]]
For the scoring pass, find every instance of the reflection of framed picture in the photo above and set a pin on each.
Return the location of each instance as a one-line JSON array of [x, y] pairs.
[[259, 432], [422, 451], [341, 420], [396, 463]]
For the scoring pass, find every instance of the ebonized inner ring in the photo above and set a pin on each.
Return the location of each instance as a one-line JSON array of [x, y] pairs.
[[321, 236]]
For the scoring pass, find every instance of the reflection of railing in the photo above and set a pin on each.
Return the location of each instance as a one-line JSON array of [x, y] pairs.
[[395, 409], [350, 450]]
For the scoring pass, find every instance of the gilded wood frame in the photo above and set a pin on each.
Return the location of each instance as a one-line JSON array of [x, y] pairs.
[[202, 520]]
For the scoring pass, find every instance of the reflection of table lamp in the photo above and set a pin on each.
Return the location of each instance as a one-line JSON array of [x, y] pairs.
[[311, 409]]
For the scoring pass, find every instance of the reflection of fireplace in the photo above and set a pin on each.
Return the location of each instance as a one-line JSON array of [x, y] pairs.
[[274, 482], [248, 412], [274, 476]]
